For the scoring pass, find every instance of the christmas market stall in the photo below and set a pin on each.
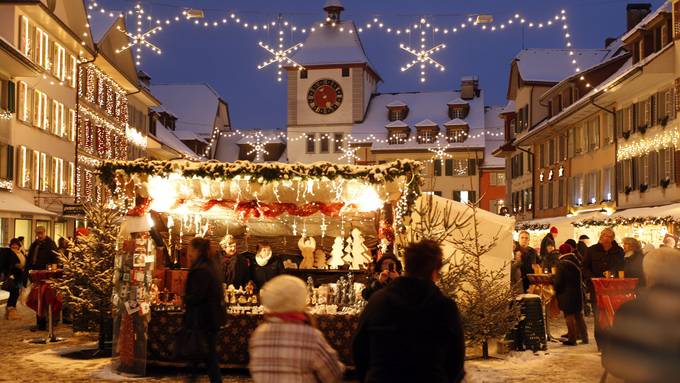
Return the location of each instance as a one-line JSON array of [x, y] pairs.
[[648, 225], [322, 222]]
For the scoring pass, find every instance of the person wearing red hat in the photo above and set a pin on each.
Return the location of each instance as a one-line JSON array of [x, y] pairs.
[[568, 289]]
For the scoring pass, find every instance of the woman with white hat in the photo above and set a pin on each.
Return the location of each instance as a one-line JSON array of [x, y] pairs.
[[286, 347]]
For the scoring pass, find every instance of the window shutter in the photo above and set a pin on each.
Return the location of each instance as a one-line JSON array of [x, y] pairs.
[[676, 162], [619, 177], [11, 99], [634, 169], [456, 195], [653, 172], [10, 162], [472, 170], [437, 168], [472, 196]]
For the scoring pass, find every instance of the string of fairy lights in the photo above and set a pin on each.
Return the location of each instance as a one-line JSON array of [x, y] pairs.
[[428, 36]]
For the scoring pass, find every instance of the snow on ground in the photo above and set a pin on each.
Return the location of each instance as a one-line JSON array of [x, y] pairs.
[[47, 363]]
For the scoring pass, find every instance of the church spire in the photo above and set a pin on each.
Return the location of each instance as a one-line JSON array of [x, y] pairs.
[[333, 8]]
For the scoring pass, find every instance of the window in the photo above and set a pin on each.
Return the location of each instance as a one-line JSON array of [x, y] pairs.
[[456, 135], [23, 167], [25, 45], [396, 114], [41, 107], [643, 163], [551, 152], [426, 136], [668, 106], [448, 166], [541, 202], [560, 193], [571, 143], [608, 131], [59, 67], [24, 102], [465, 196], [58, 119], [338, 142], [73, 124], [437, 168], [45, 166], [562, 148], [324, 147], [577, 190], [43, 52], [497, 179], [311, 145], [73, 71], [653, 160], [398, 137], [460, 167], [35, 170], [541, 155], [457, 113], [666, 164], [593, 186], [345, 72], [550, 195], [437, 193], [593, 133], [57, 176], [303, 73], [607, 183], [71, 178], [619, 123]]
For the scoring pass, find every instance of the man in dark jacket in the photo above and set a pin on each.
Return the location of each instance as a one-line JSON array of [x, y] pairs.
[[582, 246], [529, 257], [606, 255], [43, 252], [410, 331]]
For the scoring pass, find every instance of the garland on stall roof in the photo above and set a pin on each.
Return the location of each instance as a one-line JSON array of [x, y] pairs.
[[264, 172], [622, 221], [531, 226]]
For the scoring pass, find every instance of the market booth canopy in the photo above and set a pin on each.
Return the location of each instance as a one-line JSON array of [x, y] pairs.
[[262, 195]]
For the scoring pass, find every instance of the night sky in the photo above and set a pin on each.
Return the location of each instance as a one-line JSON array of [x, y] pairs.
[[227, 57]]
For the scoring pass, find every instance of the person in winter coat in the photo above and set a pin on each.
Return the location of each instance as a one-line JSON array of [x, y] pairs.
[[529, 258], [42, 253], [568, 288], [516, 270], [410, 331], [606, 255], [13, 276], [265, 265], [642, 345], [574, 248], [204, 299], [286, 348], [551, 257], [582, 245], [387, 269], [550, 237], [633, 256]]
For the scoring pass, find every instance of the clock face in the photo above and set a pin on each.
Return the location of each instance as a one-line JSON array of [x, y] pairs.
[[324, 96]]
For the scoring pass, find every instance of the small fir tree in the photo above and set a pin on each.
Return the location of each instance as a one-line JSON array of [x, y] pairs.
[[88, 267]]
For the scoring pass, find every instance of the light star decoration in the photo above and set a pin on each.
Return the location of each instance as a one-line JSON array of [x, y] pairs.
[[139, 39], [439, 151], [423, 56], [349, 154], [259, 147], [281, 56]]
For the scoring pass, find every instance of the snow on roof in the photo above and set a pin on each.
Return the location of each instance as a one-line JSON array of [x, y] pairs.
[[168, 138], [397, 124], [328, 45], [227, 146], [186, 135], [457, 101], [508, 108], [99, 26], [455, 122], [426, 123], [396, 103], [194, 105], [422, 106], [333, 3], [664, 8], [271, 136], [552, 65]]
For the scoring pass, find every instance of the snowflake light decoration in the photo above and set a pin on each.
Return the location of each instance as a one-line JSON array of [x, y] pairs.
[[281, 56], [439, 151], [349, 154], [259, 147], [423, 56], [139, 39]]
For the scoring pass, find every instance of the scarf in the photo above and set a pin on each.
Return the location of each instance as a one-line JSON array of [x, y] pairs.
[[289, 317]]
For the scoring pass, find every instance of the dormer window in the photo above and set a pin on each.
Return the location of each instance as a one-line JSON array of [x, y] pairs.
[[397, 111], [458, 108], [397, 132], [457, 131], [427, 131]]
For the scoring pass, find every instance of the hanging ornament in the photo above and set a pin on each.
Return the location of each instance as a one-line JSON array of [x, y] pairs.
[[439, 151], [423, 56], [259, 147], [349, 154], [281, 55]]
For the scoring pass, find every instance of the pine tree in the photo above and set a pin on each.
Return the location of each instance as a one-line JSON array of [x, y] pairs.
[[88, 267], [484, 297]]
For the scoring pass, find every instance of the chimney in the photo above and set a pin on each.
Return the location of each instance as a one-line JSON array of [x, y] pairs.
[[635, 12], [144, 78], [608, 41], [469, 87]]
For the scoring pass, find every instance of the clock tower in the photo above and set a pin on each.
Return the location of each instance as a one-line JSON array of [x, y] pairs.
[[331, 92]]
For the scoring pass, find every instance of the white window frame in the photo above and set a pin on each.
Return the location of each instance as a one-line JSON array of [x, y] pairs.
[[73, 71], [43, 53], [60, 62]]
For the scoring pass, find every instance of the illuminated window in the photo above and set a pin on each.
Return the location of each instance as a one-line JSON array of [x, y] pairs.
[[40, 110], [73, 71], [44, 172], [73, 124], [25, 37], [43, 51], [24, 167], [59, 68], [311, 144], [58, 119], [35, 170], [24, 110], [71, 178]]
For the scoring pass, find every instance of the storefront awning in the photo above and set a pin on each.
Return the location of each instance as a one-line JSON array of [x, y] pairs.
[[672, 210], [12, 203]]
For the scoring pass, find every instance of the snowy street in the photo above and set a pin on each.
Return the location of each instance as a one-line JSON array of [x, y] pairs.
[[46, 363]]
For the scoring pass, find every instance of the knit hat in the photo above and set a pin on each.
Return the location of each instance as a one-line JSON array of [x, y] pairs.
[[565, 249], [284, 294], [571, 243], [582, 237], [553, 230]]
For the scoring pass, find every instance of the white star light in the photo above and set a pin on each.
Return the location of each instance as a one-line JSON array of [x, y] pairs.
[[139, 39], [349, 154], [281, 56], [259, 147], [423, 56], [439, 151]]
